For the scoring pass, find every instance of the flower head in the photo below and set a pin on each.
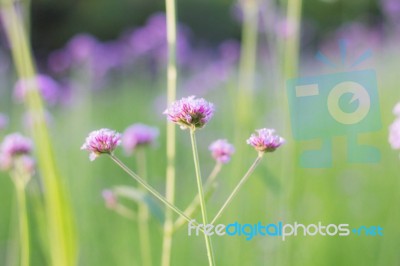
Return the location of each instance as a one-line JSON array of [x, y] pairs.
[[15, 146], [101, 141], [221, 150], [138, 135], [190, 112], [265, 140]]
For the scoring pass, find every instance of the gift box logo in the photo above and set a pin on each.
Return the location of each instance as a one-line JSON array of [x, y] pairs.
[[337, 104]]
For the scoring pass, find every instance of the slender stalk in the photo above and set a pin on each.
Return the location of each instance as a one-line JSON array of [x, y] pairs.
[[23, 221], [143, 213], [239, 185], [210, 252], [192, 207], [171, 139], [247, 64], [148, 187]]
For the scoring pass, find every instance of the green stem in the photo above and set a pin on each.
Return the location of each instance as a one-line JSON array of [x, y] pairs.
[[171, 131], [148, 187], [143, 213], [239, 185], [23, 221], [124, 212], [189, 211], [210, 253]]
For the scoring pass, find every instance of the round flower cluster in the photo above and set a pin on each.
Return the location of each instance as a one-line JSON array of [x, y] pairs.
[[15, 146], [265, 140], [101, 141], [190, 112]]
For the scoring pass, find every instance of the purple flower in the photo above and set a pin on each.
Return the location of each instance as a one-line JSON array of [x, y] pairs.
[[81, 47], [101, 141], [3, 121], [110, 198], [190, 112], [221, 150], [48, 88], [138, 135], [265, 140], [15, 146]]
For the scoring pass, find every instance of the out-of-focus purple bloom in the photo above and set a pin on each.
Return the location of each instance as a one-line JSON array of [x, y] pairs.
[[285, 28], [392, 9], [230, 51], [190, 112], [15, 144], [354, 35], [151, 40], [3, 121], [138, 135], [16, 147], [81, 47], [221, 150], [48, 88], [265, 140], [110, 199], [59, 61], [101, 141]]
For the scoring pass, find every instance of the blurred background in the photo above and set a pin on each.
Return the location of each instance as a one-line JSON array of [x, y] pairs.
[[104, 65]]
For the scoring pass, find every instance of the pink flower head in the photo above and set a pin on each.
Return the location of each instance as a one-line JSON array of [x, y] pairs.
[[394, 134], [221, 150], [138, 135], [110, 198], [13, 146], [48, 88], [101, 141], [265, 140], [190, 112], [3, 121]]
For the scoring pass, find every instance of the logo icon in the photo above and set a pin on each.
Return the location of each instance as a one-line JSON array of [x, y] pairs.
[[338, 104]]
